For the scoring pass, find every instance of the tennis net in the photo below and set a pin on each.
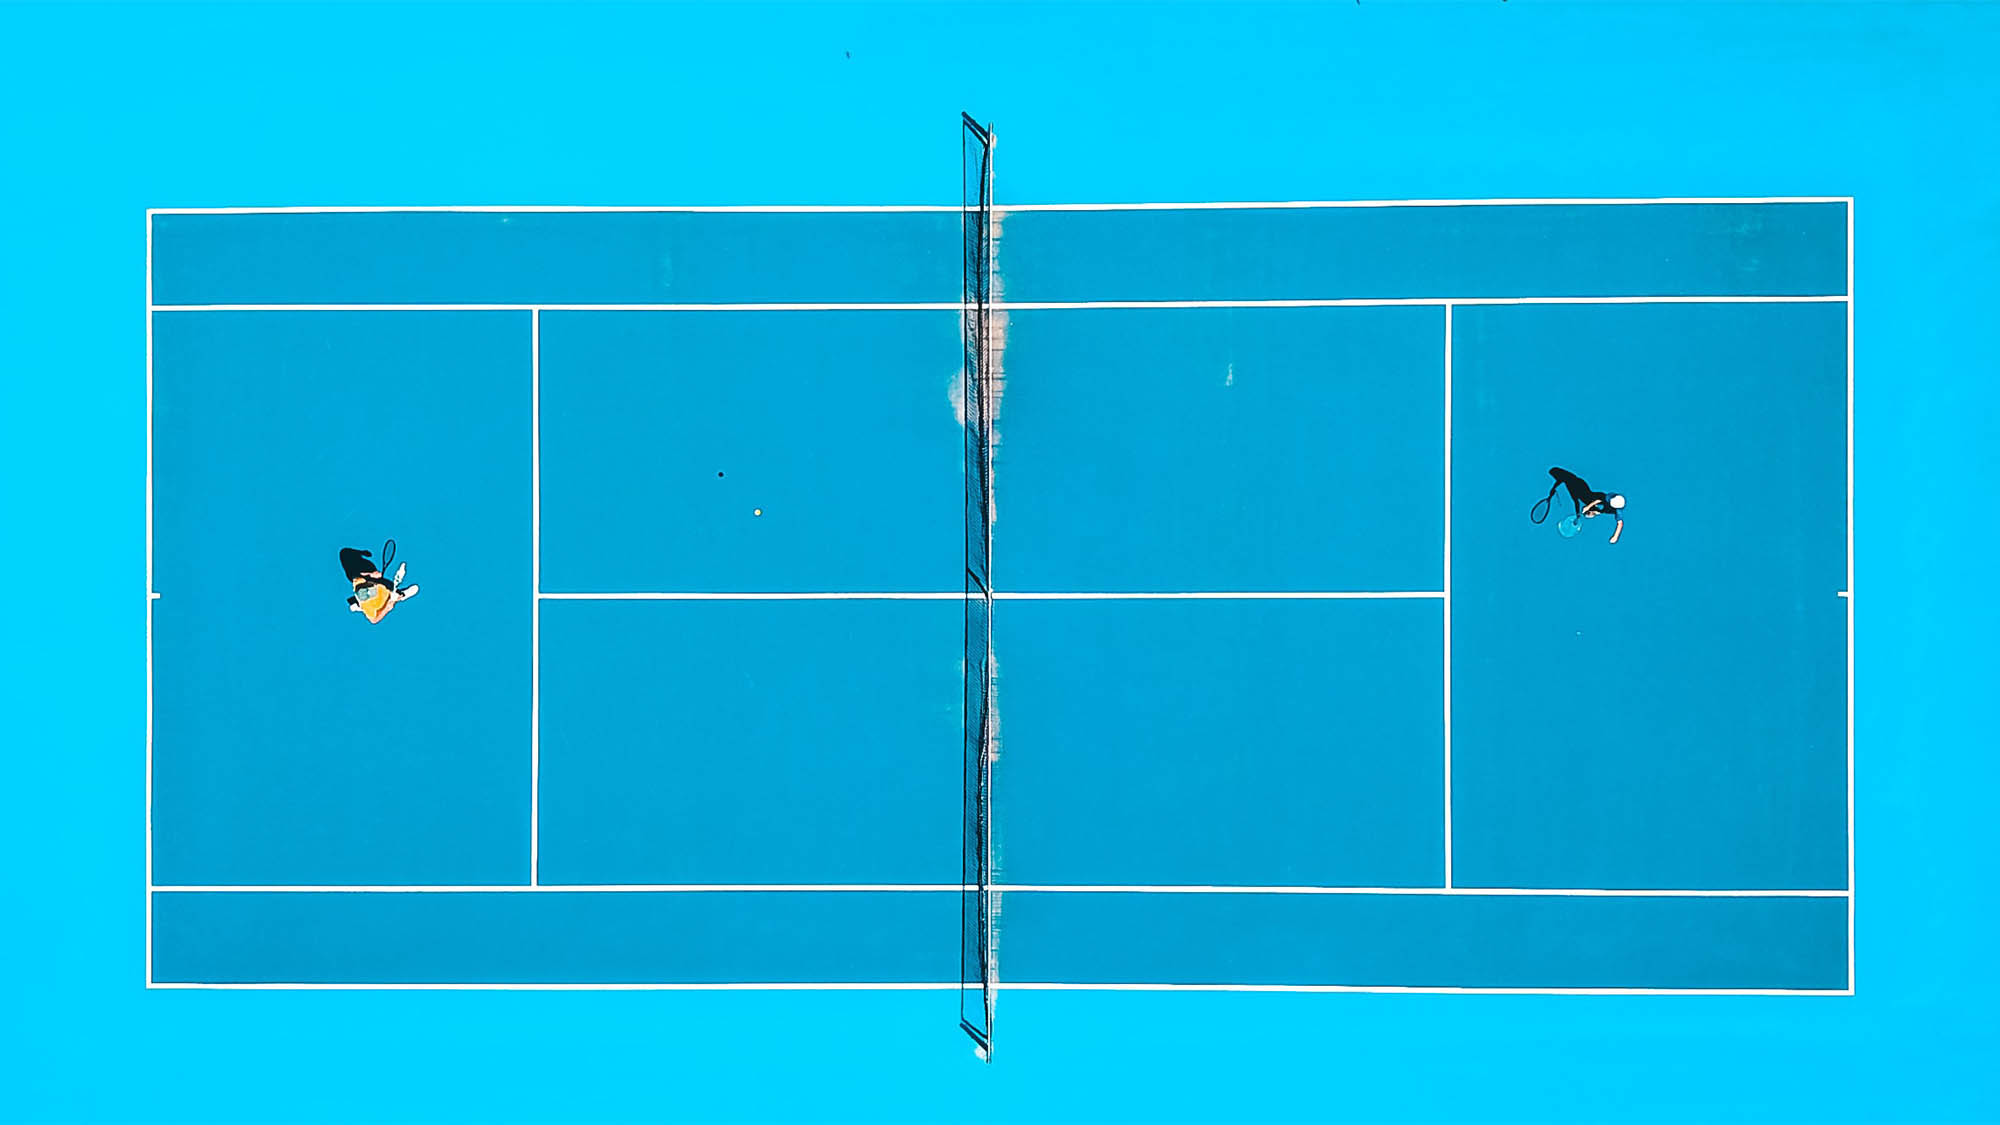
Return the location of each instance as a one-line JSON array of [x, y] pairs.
[[975, 1003]]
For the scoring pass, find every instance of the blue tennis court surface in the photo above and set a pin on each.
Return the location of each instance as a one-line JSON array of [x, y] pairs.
[[1286, 680], [1324, 783]]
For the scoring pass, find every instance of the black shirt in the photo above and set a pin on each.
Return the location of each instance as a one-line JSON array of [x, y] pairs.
[[1580, 492]]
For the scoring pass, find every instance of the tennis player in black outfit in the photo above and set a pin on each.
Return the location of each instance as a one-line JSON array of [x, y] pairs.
[[1589, 503]]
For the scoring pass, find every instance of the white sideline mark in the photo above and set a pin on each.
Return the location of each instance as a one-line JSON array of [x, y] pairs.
[[321, 986], [535, 600], [1017, 306], [1335, 204], [1850, 595], [574, 888], [1444, 892], [1012, 596], [929, 208], [1004, 986], [1441, 990], [1018, 888], [1244, 595], [698, 596], [456, 306], [580, 209], [1434, 302], [153, 596], [1447, 596]]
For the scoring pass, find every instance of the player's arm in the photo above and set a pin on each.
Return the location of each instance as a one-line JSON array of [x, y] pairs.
[[1619, 530]]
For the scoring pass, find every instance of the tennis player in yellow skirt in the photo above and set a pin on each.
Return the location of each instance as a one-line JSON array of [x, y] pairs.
[[374, 596]]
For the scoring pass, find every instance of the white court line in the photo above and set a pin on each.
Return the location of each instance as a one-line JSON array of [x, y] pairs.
[[151, 596], [448, 306], [575, 888], [1431, 302], [1002, 986], [1435, 892], [535, 602], [1435, 990], [1309, 205], [1023, 306], [640, 596], [1013, 888], [759, 986], [580, 209], [927, 208], [1014, 596], [1205, 595], [1849, 594], [1447, 595]]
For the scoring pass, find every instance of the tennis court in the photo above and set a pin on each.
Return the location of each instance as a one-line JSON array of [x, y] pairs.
[[1282, 675]]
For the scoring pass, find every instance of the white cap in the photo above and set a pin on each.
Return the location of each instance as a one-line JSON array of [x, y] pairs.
[[1617, 501]]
